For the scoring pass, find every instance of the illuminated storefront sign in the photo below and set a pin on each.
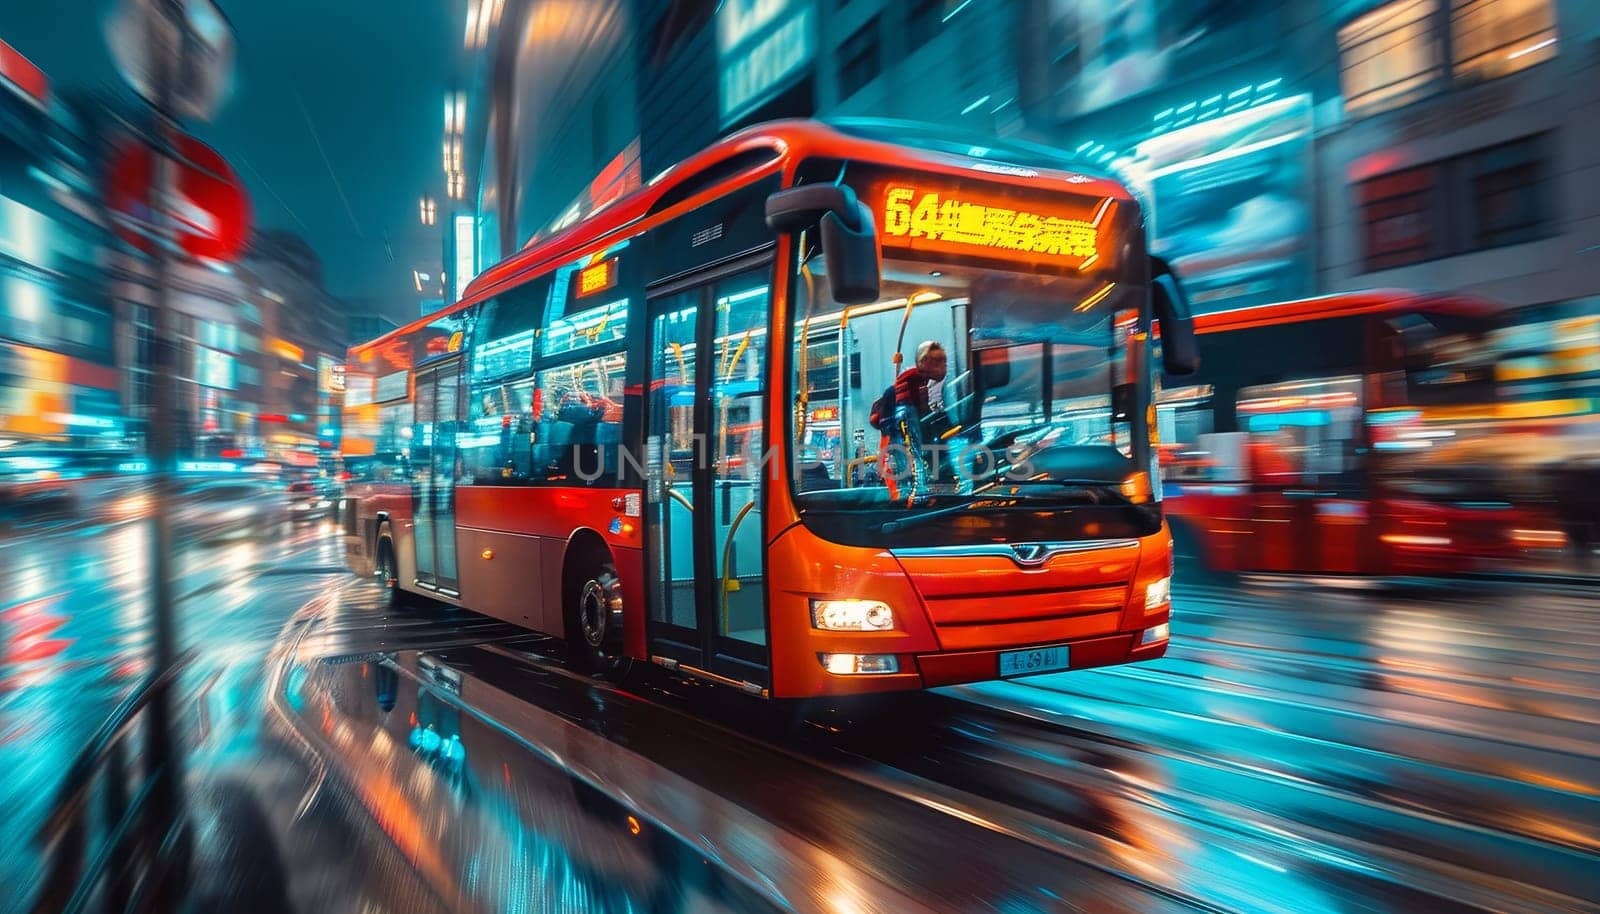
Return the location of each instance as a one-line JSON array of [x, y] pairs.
[[75, 419], [325, 365], [937, 219], [466, 259], [1120, 49], [1229, 203], [284, 349], [18, 72], [597, 278], [26, 235], [213, 368], [763, 45]]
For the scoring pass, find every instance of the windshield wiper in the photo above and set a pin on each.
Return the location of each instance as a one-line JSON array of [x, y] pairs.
[[1098, 487]]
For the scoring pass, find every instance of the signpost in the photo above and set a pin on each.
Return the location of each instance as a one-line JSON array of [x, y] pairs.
[[191, 38], [177, 54], [207, 204]]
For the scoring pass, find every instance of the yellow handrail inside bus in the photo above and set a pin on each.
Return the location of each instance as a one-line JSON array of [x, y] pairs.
[[738, 353], [926, 295], [850, 468], [802, 366], [683, 366], [727, 553]]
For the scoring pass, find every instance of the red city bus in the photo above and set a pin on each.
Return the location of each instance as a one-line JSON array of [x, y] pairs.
[[1354, 434], [649, 434]]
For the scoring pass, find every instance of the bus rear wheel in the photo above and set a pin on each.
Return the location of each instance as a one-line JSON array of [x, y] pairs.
[[594, 620]]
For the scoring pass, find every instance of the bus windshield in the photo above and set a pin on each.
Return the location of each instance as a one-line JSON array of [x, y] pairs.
[[1012, 393], [1448, 358]]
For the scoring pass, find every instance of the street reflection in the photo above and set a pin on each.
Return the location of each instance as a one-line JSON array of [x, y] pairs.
[[1273, 761], [1299, 748]]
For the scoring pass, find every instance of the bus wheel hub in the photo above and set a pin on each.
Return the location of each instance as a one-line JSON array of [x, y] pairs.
[[594, 612]]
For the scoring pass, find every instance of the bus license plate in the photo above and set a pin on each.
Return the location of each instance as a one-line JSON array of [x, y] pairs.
[[1033, 660]]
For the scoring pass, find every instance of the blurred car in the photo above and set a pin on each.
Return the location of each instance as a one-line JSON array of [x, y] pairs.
[[309, 501], [34, 485], [216, 509]]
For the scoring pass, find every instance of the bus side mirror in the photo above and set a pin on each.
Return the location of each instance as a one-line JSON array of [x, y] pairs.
[[1180, 350], [849, 238]]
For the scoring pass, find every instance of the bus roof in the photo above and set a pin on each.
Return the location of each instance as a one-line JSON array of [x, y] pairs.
[[1344, 304], [903, 143]]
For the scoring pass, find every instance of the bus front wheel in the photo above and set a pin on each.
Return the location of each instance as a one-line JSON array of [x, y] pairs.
[[389, 574], [594, 623]]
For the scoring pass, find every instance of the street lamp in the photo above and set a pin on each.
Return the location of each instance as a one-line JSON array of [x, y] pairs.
[[482, 17], [455, 114], [428, 210]]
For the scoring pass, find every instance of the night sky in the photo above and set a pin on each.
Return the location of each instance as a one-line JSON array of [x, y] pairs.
[[365, 78]]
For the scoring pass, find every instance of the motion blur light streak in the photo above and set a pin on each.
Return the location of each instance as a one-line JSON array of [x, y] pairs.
[[1366, 676]]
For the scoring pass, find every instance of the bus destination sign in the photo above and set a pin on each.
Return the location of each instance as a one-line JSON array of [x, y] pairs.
[[952, 220], [597, 278]]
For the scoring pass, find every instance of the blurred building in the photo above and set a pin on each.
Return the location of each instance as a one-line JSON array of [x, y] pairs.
[[1283, 148], [218, 333], [361, 326], [259, 343], [621, 90], [58, 379], [305, 335], [1468, 157]]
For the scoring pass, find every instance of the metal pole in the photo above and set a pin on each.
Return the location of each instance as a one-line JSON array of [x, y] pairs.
[[161, 441]]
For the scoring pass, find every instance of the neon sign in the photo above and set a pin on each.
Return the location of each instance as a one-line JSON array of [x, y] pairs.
[[960, 222], [466, 241], [597, 278]]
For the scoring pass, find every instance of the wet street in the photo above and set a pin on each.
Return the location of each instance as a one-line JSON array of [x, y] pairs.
[[1300, 748], [75, 638]]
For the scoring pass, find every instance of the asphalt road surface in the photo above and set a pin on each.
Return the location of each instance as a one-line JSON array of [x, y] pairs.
[[1300, 749]]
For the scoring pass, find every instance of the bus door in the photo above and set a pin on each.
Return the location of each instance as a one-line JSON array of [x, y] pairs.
[[433, 473], [705, 418], [1310, 516]]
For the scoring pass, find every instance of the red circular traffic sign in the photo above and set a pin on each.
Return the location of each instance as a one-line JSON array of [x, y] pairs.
[[211, 210]]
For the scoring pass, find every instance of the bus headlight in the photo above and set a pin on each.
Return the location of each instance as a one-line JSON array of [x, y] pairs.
[[851, 615], [1158, 593], [859, 664], [1155, 634]]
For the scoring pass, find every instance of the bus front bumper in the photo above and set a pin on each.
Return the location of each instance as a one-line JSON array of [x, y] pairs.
[[957, 667], [947, 668]]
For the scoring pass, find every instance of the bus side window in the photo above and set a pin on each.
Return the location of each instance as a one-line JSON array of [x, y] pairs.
[[1303, 431], [1186, 424], [578, 434], [394, 442], [496, 449]]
